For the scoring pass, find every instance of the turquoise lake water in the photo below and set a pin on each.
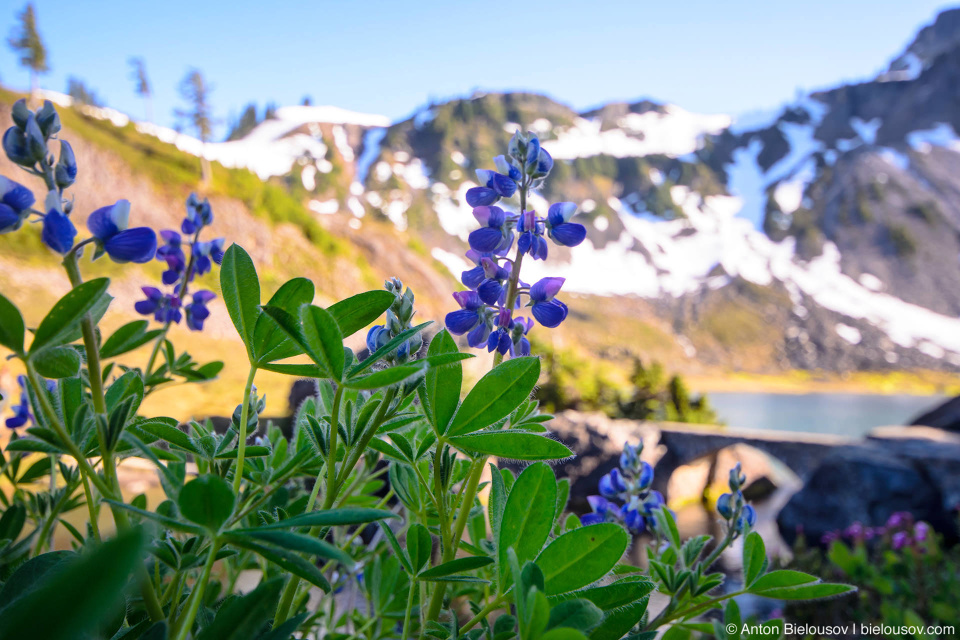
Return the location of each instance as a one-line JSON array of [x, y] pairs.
[[837, 413]]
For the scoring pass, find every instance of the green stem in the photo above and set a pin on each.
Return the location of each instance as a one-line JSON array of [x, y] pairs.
[[354, 455], [406, 615], [244, 417], [91, 507], [514, 282], [492, 606], [156, 350], [196, 596]]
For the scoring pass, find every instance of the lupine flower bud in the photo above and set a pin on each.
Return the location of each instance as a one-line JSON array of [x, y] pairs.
[[48, 119], [36, 142], [747, 519], [15, 146], [630, 457], [532, 154], [725, 506], [65, 172], [58, 232], [737, 478], [20, 113], [612, 484], [15, 203]]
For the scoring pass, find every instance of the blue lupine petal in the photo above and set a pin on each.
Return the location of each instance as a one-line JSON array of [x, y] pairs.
[[461, 321], [489, 291], [468, 300], [58, 232], [481, 196], [645, 477], [550, 314], [146, 307], [533, 152], [524, 242], [485, 239], [106, 222], [15, 146], [133, 245], [545, 289], [472, 277], [560, 212], [544, 161], [504, 186], [15, 195], [725, 505], [591, 518], [569, 234], [485, 177], [478, 336], [9, 219], [523, 347]]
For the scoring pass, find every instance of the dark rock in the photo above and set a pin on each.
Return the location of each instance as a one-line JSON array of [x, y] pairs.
[[863, 483], [760, 489]]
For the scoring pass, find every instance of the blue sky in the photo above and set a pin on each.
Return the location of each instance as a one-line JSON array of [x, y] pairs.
[[391, 57]]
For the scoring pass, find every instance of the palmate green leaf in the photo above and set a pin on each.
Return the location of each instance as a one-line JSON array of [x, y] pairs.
[[419, 546], [496, 395], [581, 556], [82, 592], [331, 518], [786, 584], [324, 340], [240, 616], [268, 343], [67, 313], [527, 515], [56, 362], [512, 444], [440, 391], [578, 614], [295, 542], [356, 312], [458, 565], [127, 338], [12, 328], [286, 560], [240, 288], [754, 558], [387, 377], [207, 500]]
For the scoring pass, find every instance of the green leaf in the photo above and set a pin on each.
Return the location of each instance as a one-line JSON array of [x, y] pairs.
[[400, 553], [669, 524], [496, 395], [296, 542], [563, 633], [13, 519], [299, 370], [207, 500], [332, 518], [129, 385], [458, 565], [240, 288], [170, 434], [286, 560], [498, 500], [787, 584], [582, 556], [12, 328], [270, 344], [512, 444], [165, 521], [441, 387], [324, 339], [240, 616], [80, 593], [56, 362], [386, 377], [127, 338], [67, 312], [358, 311], [754, 558], [528, 514], [388, 348], [618, 622], [419, 546], [612, 596], [578, 614]]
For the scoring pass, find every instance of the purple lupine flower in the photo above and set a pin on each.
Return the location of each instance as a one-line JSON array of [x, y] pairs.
[[855, 531], [493, 186], [630, 457], [544, 162], [109, 226], [470, 313], [644, 476], [494, 236], [377, 337], [829, 537], [748, 518], [205, 254], [21, 412], [632, 518], [559, 227], [163, 307], [603, 511], [530, 240], [502, 338], [58, 232], [545, 308], [507, 168], [725, 505], [899, 519], [171, 252], [15, 203], [471, 278], [653, 501], [197, 310], [900, 540], [199, 215], [521, 343], [611, 485], [921, 531], [491, 288]]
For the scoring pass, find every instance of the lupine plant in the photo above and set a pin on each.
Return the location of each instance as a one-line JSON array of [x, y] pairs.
[[365, 521]]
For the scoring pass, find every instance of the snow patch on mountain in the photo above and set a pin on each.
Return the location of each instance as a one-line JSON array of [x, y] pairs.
[[674, 133]]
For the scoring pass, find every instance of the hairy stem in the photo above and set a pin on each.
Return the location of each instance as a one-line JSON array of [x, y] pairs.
[[196, 596], [244, 417]]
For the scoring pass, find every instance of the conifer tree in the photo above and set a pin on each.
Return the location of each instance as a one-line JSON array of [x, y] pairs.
[[138, 73], [26, 42], [195, 91]]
